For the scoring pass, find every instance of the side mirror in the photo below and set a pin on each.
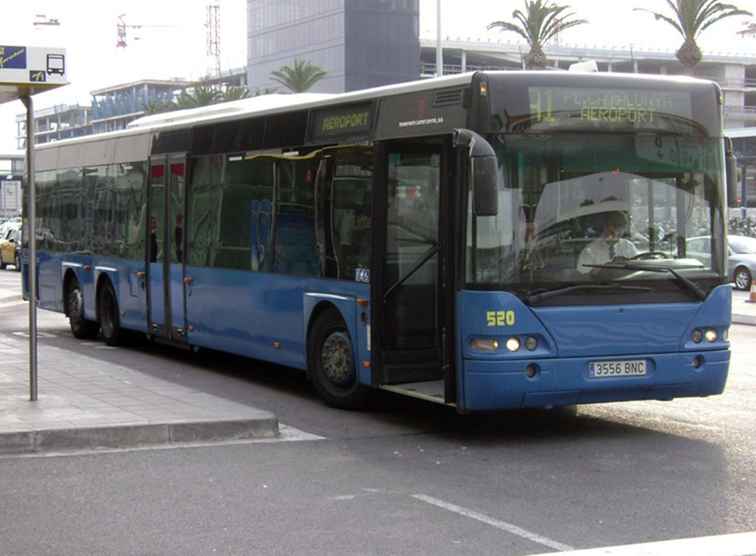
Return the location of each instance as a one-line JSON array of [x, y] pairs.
[[731, 171], [485, 194]]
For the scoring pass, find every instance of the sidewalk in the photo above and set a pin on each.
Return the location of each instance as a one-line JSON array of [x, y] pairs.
[[88, 403], [742, 311]]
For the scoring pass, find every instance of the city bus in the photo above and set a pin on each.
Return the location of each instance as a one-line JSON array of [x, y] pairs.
[[488, 241]]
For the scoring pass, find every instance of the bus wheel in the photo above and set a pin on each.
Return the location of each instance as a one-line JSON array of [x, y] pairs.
[[110, 323], [80, 327], [332, 368]]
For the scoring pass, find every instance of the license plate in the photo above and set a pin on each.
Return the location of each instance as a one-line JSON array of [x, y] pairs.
[[606, 369]]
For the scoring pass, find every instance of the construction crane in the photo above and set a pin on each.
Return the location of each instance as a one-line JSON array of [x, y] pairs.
[[122, 29], [748, 29], [42, 19]]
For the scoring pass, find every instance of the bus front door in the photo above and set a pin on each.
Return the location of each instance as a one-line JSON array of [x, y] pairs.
[[408, 288], [166, 248]]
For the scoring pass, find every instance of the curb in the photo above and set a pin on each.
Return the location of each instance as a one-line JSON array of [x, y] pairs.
[[129, 436], [748, 320]]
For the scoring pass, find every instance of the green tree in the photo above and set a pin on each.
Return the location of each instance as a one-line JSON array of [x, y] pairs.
[[159, 106], [690, 18], [198, 95], [234, 93], [538, 24], [299, 78]]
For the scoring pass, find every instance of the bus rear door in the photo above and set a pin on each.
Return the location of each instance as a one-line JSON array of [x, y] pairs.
[[166, 245]]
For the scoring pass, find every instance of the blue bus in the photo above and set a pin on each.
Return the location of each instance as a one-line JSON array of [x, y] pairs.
[[488, 241]]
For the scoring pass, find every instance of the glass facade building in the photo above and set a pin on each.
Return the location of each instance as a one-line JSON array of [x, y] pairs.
[[359, 43]]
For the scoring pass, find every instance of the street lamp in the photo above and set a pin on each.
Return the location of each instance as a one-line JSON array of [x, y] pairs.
[[439, 48]]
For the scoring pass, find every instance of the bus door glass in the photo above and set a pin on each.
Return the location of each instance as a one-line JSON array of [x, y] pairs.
[[166, 246], [410, 249]]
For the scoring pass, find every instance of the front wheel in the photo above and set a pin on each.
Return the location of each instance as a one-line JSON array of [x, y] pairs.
[[331, 361], [80, 327], [110, 323], [743, 278]]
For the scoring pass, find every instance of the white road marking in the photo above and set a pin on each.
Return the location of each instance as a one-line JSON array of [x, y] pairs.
[[738, 544], [503, 525]]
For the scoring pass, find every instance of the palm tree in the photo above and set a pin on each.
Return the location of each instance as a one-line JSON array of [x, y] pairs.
[[690, 18], [200, 95], [299, 78], [539, 23], [234, 93], [159, 106]]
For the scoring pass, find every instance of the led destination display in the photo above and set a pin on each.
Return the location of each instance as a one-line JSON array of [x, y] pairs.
[[551, 106]]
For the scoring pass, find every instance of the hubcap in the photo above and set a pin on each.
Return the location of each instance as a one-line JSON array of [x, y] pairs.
[[742, 279], [336, 359]]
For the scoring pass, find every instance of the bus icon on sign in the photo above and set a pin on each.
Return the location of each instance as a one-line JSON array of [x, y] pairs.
[[56, 63]]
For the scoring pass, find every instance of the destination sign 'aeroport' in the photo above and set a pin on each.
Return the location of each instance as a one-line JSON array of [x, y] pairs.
[[549, 105], [333, 122]]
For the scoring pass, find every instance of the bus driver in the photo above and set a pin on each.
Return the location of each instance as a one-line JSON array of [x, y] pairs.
[[610, 245]]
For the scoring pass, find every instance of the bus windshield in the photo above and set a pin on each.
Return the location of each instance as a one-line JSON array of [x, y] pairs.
[[571, 204]]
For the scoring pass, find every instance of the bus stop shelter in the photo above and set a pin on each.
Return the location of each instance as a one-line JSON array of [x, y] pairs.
[[24, 72]]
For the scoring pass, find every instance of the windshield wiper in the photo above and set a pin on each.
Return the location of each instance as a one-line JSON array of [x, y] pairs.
[[687, 283], [539, 295]]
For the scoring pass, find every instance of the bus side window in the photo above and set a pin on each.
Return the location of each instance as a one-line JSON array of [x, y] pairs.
[[295, 247], [245, 223], [203, 213], [350, 216]]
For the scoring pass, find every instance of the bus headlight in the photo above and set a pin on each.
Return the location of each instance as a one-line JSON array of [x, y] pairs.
[[485, 344], [710, 335], [513, 344], [726, 335], [697, 336]]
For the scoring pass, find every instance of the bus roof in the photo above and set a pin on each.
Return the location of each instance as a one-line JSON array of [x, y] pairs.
[[278, 103]]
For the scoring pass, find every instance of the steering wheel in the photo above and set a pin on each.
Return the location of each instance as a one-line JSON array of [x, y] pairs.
[[649, 255]]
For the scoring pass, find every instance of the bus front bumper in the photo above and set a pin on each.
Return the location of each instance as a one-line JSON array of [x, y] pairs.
[[497, 384]]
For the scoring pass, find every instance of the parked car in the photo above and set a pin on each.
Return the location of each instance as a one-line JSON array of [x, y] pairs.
[[10, 249], [742, 261], [741, 257]]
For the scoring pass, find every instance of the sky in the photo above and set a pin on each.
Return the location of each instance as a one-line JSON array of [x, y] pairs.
[[171, 42]]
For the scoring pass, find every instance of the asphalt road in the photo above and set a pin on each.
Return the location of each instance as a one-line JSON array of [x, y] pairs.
[[405, 477]]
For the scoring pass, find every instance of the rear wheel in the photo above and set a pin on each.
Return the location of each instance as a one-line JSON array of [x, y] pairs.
[[331, 361], [80, 327], [110, 323], [742, 278]]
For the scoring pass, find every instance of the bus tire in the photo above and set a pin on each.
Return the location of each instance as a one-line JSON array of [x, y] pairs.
[[81, 328], [110, 323], [331, 363]]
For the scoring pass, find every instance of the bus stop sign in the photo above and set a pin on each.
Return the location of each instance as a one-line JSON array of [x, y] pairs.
[[28, 70]]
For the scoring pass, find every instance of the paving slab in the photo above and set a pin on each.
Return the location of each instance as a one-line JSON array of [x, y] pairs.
[[86, 403], [743, 310]]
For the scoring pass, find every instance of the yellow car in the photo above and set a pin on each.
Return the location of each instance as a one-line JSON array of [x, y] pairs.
[[10, 249]]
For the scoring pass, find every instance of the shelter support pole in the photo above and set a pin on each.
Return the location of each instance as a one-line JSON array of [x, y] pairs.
[[32, 242]]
